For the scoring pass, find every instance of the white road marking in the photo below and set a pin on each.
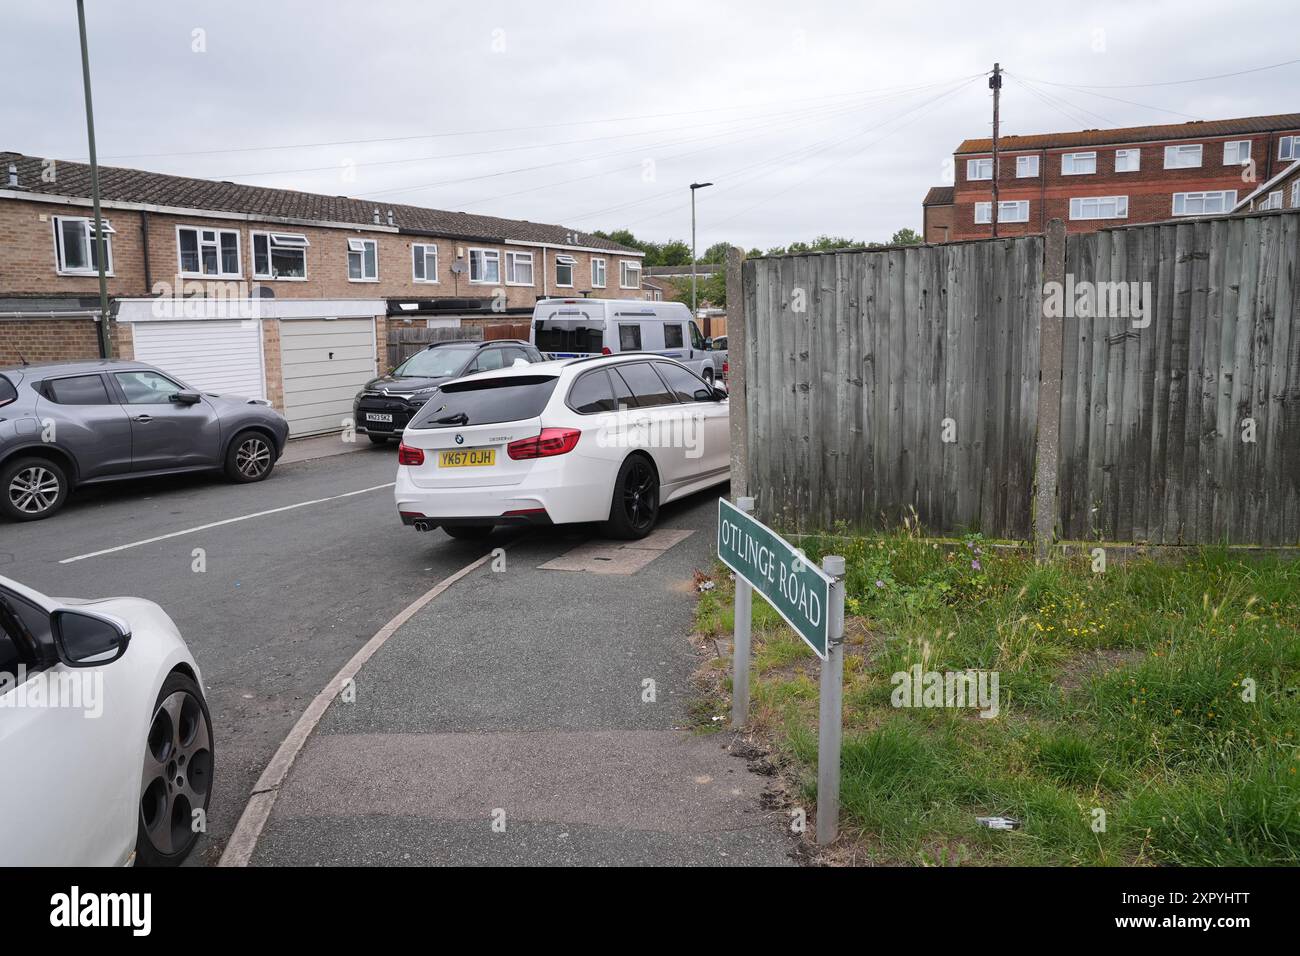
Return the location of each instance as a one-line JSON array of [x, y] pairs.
[[242, 843], [217, 524]]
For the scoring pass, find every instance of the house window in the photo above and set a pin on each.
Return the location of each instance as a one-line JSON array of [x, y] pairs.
[[979, 169], [278, 255], [564, 271], [1182, 157], [1010, 211], [1078, 164], [208, 252], [363, 260], [75, 248], [1099, 207], [424, 262], [629, 275], [485, 266], [1026, 167], [1201, 204], [1128, 160], [519, 268], [1236, 153], [598, 273], [1288, 147], [1272, 201], [1295, 195]]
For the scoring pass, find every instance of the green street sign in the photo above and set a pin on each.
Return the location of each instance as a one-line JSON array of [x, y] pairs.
[[800, 591]]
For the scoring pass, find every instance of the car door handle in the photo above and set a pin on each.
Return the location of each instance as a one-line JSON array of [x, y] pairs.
[[144, 419]]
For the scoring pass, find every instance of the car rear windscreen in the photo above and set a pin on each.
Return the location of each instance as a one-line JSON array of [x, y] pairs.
[[568, 335], [486, 401]]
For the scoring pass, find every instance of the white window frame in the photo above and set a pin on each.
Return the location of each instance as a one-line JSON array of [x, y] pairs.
[[513, 261], [1023, 162], [1229, 197], [1133, 154], [1070, 160], [1009, 210], [485, 256], [563, 259], [1272, 201], [975, 166], [1295, 194], [598, 268], [1235, 145], [1288, 147], [1078, 207], [357, 247], [271, 238], [1185, 149], [425, 251], [201, 242], [88, 235], [625, 267]]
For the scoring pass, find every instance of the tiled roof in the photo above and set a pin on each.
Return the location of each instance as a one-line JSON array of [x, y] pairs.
[[1138, 134], [938, 196], [160, 189]]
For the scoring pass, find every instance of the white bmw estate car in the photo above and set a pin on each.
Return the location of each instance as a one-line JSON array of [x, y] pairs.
[[105, 738], [605, 439]]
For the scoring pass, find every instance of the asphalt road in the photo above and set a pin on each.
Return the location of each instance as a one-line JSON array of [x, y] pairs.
[[285, 600]]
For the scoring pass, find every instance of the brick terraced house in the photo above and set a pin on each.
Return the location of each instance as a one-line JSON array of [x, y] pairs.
[[271, 293], [1106, 177]]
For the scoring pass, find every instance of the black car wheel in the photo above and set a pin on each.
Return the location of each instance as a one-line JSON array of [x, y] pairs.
[[378, 439], [176, 779], [32, 488], [250, 457], [635, 508]]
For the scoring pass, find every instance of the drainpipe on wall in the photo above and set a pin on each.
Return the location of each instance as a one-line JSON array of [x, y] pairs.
[[545, 275], [144, 249]]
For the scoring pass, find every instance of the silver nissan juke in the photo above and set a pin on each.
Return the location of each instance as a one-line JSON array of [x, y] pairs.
[[79, 423]]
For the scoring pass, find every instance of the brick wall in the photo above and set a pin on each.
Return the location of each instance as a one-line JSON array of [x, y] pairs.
[[272, 363], [1149, 189], [47, 340], [27, 260], [938, 223]]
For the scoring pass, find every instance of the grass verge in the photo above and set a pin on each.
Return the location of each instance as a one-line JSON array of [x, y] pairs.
[[1147, 715]]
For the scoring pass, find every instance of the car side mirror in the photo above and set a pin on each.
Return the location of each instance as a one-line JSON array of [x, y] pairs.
[[708, 345], [87, 639], [719, 392], [186, 398]]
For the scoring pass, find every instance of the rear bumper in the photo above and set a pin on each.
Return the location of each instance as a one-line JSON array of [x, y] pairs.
[[555, 492], [529, 519]]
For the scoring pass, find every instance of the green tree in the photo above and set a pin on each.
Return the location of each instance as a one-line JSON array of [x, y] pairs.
[[906, 237]]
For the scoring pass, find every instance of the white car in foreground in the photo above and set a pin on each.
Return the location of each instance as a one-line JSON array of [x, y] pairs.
[[606, 439], [105, 738]]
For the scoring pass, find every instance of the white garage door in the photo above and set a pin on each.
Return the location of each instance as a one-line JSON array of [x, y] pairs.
[[325, 364], [221, 357]]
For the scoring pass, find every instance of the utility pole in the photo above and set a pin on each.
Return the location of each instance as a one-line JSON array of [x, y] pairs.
[[995, 84], [101, 260], [694, 186]]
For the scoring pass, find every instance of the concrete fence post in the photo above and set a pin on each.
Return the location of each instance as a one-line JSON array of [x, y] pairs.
[[1051, 340], [737, 337]]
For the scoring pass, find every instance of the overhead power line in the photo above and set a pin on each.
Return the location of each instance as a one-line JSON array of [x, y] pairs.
[[1140, 86]]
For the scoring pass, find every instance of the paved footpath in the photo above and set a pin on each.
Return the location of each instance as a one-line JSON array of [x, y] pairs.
[[505, 723]]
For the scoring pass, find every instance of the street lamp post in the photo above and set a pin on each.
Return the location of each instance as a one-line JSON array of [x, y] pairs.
[[101, 262], [694, 186]]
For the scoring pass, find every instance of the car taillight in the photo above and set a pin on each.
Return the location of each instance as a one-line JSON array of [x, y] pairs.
[[406, 455], [726, 366], [552, 441], [605, 350]]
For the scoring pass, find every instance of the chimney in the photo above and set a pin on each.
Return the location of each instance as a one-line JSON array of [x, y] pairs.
[[376, 215], [390, 217], [13, 175]]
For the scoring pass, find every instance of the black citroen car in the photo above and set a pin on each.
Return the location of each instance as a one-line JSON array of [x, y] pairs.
[[384, 406]]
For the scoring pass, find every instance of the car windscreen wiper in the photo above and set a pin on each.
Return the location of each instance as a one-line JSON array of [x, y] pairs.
[[460, 418]]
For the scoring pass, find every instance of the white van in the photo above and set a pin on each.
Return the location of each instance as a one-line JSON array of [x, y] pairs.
[[574, 328]]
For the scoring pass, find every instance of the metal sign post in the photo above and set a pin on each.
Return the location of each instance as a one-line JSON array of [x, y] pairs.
[[830, 727], [740, 656]]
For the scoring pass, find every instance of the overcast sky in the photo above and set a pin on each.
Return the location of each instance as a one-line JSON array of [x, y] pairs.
[[810, 117]]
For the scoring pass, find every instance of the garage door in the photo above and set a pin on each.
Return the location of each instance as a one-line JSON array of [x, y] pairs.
[[325, 364], [222, 357]]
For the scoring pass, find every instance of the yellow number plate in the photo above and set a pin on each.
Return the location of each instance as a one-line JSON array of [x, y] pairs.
[[469, 458]]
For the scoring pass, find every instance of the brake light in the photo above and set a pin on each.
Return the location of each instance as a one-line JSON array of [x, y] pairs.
[[552, 441], [726, 366], [605, 350], [406, 455]]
